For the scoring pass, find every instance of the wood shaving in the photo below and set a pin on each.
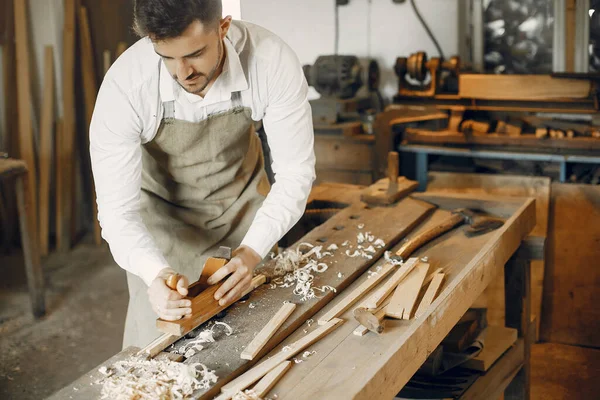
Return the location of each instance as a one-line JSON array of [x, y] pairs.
[[379, 243], [206, 336], [332, 247], [346, 243], [251, 305], [138, 378], [309, 322], [298, 360], [388, 257], [297, 269], [248, 394], [286, 349], [360, 226], [307, 354]]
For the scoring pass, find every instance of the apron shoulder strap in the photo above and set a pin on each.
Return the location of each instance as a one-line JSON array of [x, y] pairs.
[[169, 107], [236, 99]]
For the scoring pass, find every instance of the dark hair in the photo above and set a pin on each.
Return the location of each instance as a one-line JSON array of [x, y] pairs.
[[165, 19]]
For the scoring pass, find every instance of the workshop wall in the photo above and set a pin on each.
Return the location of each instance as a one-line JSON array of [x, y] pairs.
[[379, 29]]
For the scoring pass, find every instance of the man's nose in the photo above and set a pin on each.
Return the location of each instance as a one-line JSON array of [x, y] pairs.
[[183, 70]]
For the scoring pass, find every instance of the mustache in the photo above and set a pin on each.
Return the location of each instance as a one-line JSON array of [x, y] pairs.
[[190, 77]]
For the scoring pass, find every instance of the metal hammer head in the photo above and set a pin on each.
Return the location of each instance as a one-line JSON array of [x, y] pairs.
[[478, 222]]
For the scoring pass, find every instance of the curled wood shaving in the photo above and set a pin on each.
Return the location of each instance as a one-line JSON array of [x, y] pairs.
[[388, 257], [248, 394], [205, 336]]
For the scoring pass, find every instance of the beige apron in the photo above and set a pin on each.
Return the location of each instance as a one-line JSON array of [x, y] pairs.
[[202, 183]]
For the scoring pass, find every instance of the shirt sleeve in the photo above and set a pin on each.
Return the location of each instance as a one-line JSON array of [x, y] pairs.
[[116, 156], [288, 127]]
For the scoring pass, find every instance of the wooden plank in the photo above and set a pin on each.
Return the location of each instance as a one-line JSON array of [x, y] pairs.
[[492, 384], [521, 87], [572, 293], [514, 186], [90, 90], [29, 241], [158, 345], [375, 299], [405, 296], [46, 148], [59, 222], [268, 331], [377, 366], [247, 379], [352, 297], [204, 307], [26, 141], [496, 339], [430, 295], [65, 153], [263, 386]]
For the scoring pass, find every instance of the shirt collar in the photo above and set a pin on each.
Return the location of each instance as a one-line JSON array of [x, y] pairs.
[[232, 79]]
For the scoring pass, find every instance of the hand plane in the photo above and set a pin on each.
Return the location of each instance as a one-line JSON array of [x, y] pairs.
[[212, 264]]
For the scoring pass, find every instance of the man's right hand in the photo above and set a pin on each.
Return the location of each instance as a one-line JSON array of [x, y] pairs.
[[169, 304]]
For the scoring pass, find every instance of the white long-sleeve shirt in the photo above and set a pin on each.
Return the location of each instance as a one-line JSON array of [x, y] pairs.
[[128, 113]]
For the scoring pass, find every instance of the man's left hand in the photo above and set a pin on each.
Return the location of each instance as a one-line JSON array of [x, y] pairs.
[[241, 267]]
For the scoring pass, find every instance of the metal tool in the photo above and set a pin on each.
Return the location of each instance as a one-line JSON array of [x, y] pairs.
[[478, 225]]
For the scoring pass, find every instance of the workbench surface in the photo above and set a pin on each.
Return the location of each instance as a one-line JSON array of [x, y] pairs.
[[343, 365]]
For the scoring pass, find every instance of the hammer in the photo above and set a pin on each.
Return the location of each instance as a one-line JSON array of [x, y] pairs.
[[478, 225]]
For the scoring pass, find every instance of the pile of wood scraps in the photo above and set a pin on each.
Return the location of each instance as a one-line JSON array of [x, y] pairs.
[[525, 131]]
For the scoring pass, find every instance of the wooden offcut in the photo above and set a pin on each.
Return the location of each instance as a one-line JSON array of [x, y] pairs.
[[405, 297], [262, 388], [247, 379], [431, 293], [26, 143], [521, 87], [496, 339], [204, 307], [384, 193], [356, 294], [259, 341], [377, 297], [46, 148]]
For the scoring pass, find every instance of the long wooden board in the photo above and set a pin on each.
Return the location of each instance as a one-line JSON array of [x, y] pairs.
[[46, 148], [405, 295], [267, 332], [514, 186], [26, 142], [521, 87], [377, 366]]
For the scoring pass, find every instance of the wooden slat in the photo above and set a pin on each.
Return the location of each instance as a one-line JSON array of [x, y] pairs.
[[247, 379], [262, 388], [521, 87], [375, 299], [26, 142], [204, 307], [430, 294], [356, 294], [65, 155], [405, 297], [268, 331], [90, 89], [46, 148]]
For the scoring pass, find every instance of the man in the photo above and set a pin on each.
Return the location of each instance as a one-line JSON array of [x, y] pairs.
[[178, 168]]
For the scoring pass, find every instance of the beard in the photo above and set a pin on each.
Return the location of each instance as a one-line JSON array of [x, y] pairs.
[[208, 78]]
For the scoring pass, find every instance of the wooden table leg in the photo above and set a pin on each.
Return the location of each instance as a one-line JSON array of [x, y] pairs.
[[517, 290], [29, 242]]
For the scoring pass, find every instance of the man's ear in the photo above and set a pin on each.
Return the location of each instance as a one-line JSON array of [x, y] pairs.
[[224, 26]]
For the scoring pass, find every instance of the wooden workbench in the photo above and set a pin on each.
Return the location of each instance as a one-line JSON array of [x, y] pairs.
[[348, 366]]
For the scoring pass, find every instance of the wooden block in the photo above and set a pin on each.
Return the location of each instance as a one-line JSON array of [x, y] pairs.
[[377, 297], [430, 295], [248, 378], [357, 293], [204, 307], [263, 386], [379, 193], [461, 336], [475, 126], [404, 298], [268, 331], [46, 148], [497, 339], [26, 143], [521, 87]]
